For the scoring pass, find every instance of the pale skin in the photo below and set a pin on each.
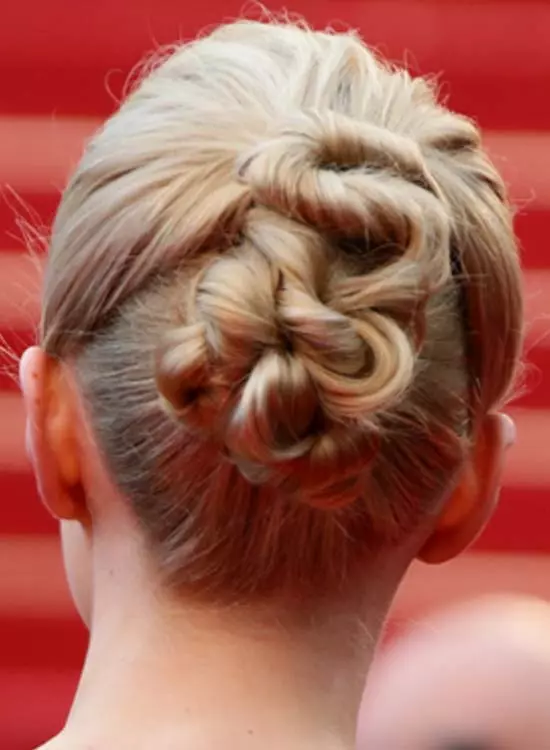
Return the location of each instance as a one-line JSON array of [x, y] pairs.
[[164, 671], [475, 677]]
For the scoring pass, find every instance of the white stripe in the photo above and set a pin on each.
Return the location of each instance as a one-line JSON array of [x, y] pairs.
[[20, 297], [537, 308], [37, 154], [33, 584], [522, 158], [527, 462], [20, 280], [471, 575]]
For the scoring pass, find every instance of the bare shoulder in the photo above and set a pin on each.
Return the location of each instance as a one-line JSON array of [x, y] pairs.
[[58, 743], [164, 738], [51, 745], [63, 743]]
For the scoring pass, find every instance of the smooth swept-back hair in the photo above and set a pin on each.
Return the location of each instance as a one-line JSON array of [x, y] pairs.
[[288, 281]]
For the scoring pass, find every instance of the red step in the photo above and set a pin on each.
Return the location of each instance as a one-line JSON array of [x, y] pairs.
[[38, 210], [23, 512], [27, 210], [34, 702], [60, 646], [62, 61]]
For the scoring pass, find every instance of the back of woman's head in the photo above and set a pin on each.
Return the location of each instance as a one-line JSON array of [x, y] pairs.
[[288, 281]]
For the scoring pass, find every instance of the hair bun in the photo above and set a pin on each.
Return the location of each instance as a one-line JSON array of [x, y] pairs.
[[289, 353], [313, 168]]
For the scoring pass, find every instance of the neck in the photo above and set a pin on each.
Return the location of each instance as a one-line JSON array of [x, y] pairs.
[[220, 677]]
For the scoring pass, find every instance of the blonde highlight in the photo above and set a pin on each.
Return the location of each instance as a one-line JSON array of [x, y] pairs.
[[251, 268]]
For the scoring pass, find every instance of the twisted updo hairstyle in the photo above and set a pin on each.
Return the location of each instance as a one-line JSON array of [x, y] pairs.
[[289, 282]]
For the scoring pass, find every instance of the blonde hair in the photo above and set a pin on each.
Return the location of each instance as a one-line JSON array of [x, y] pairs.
[[252, 269]]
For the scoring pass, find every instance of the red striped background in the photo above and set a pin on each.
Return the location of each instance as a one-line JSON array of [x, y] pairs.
[[61, 67]]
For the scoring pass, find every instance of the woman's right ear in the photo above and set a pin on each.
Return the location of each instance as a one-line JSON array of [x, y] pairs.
[[475, 497]]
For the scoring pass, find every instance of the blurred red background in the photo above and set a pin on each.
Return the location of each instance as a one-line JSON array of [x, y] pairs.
[[62, 68]]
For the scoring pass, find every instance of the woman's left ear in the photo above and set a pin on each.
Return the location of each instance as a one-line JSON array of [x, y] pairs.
[[51, 440]]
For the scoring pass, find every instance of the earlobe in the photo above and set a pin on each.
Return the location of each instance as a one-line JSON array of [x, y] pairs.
[[49, 433], [475, 497]]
